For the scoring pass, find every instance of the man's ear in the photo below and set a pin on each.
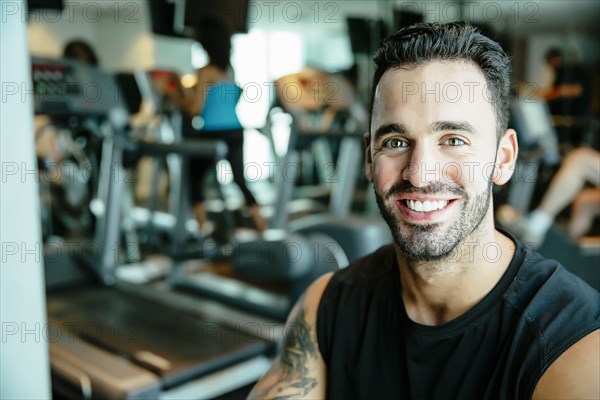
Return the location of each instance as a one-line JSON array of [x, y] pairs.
[[368, 159], [506, 157]]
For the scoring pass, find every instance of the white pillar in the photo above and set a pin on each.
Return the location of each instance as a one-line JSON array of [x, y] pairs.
[[24, 364]]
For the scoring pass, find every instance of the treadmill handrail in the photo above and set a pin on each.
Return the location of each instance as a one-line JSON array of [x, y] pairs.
[[209, 149]]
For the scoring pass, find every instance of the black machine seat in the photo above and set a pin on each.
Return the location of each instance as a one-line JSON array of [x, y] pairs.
[[359, 235], [171, 344]]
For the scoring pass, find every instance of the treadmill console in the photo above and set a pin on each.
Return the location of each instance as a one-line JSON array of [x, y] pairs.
[[68, 87]]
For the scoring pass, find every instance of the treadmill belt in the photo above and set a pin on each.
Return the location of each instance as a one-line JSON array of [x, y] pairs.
[[168, 342]]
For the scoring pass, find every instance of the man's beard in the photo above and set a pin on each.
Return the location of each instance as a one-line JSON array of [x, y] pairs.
[[426, 242]]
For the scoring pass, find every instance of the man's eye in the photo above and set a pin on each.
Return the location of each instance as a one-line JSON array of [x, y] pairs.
[[455, 142], [395, 143]]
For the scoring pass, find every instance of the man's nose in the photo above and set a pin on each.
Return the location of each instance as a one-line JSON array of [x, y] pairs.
[[423, 167]]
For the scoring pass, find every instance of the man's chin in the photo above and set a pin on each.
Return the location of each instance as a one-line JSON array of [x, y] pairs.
[[424, 249], [422, 232], [423, 242], [424, 255]]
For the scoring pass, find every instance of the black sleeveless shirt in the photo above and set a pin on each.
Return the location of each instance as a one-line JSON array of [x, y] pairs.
[[497, 350]]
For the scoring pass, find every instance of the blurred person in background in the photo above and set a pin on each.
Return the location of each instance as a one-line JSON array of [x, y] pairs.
[[213, 99]]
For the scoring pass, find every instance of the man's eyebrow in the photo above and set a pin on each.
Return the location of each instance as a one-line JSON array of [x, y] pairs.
[[389, 128], [452, 126], [440, 126]]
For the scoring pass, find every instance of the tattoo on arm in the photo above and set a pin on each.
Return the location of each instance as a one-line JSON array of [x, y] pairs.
[[298, 349]]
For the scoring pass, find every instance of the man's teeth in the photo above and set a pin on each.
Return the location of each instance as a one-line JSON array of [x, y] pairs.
[[426, 206]]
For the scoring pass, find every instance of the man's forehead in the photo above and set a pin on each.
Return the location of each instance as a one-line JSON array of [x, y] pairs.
[[448, 73], [437, 91]]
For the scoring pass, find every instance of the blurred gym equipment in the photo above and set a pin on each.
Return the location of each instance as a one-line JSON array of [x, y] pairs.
[[123, 343], [539, 155]]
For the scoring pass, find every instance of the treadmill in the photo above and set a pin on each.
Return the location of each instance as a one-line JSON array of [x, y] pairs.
[[106, 341]]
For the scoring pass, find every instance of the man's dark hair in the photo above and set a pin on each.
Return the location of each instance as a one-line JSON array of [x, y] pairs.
[[214, 36], [421, 43]]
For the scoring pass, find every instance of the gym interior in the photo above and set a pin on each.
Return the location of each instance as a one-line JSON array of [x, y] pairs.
[[127, 274]]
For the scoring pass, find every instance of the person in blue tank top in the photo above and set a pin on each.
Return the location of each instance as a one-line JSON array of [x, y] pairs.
[[214, 99], [454, 308]]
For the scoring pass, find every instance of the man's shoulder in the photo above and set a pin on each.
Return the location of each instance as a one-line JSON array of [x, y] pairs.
[[559, 306], [562, 313], [542, 282]]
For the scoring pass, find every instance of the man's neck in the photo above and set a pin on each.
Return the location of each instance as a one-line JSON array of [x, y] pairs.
[[440, 291]]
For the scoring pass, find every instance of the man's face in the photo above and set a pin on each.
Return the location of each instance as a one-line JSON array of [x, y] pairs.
[[431, 155]]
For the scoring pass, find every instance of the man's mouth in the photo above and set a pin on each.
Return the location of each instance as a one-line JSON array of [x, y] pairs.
[[425, 210], [425, 206]]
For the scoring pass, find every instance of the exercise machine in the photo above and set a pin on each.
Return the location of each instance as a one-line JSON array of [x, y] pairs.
[[111, 340]]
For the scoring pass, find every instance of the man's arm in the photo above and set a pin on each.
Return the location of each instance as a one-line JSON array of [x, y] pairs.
[[575, 374], [298, 372]]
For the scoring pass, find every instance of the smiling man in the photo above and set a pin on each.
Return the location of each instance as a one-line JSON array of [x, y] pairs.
[[454, 308]]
